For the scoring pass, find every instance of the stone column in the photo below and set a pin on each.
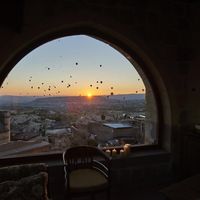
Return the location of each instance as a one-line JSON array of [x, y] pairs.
[[151, 118], [4, 127]]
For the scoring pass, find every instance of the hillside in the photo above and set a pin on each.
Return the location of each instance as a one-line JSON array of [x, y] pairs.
[[51, 101]]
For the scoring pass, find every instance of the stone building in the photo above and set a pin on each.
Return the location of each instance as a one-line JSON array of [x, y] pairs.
[[121, 129]]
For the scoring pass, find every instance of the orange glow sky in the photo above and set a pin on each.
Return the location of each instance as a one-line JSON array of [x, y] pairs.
[[75, 65]]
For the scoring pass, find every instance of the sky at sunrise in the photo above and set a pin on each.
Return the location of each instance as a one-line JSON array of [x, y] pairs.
[[74, 65]]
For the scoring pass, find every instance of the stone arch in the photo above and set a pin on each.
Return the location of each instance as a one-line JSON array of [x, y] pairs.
[[136, 52]]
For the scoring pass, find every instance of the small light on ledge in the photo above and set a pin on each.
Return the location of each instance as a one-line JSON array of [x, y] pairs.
[[114, 152], [127, 149], [121, 152], [108, 152]]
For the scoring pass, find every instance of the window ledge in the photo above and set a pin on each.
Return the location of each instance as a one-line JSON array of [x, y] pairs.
[[142, 157], [55, 159]]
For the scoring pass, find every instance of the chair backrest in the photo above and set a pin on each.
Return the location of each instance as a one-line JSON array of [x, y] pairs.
[[84, 157]]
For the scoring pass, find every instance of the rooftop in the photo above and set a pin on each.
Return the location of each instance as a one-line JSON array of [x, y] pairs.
[[118, 125]]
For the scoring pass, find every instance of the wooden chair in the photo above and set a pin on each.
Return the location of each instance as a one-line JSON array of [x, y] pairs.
[[87, 171]]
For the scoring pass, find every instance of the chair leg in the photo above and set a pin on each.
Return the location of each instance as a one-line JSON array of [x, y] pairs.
[[67, 195], [108, 194], [92, 196]]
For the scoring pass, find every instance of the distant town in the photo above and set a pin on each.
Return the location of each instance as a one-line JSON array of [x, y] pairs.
[[52, 124]]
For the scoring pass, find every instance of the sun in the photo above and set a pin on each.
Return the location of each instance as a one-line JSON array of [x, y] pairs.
[[89, 95]]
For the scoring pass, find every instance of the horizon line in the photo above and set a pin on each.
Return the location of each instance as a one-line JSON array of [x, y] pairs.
[[69, 95]]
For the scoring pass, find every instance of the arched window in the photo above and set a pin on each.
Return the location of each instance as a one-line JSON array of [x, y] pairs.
[[76, 90]]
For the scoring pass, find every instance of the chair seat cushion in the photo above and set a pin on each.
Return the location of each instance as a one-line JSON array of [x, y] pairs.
[[86, 179]]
